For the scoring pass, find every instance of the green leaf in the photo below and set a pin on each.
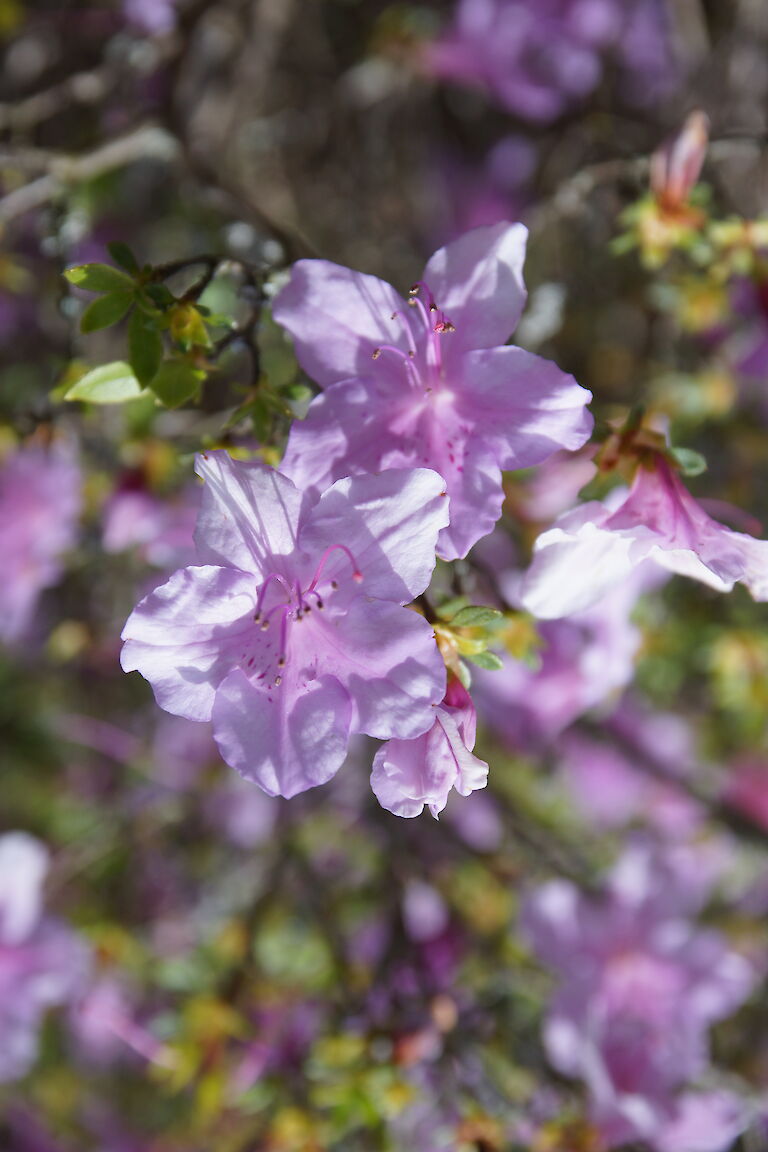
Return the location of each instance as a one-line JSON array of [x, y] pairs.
[[159, 295], [107, 310], [487, 660], [474, 616], [98, 278], [110, 384], [176, 381], [691, 463], [448, 610], [145, 348], [122, 255]]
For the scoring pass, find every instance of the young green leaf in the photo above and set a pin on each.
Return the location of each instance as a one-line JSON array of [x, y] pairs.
[[145, 347], [105, 311], [159, 295], [98, 278], [450, 608], [487, 660], [176, 381], [109, 384], [473, 616], [691, 463], [122, 255]]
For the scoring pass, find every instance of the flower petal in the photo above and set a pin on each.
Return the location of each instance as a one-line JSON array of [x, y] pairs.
[[187, 635], [407, 774], [337, 318], [286, 740], [348, 429], [390, 523], [578, 561], [524, 406], [387, 659], [249, 514], [23, 865], [478, 282]]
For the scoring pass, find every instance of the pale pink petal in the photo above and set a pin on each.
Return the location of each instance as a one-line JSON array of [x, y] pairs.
[[387, 659], [23, 865], [249, 514], [407, 774], [389, 522], [337, 318], [525, 407], [703, 1122], [286, 740], [478, 282], [187, 635]]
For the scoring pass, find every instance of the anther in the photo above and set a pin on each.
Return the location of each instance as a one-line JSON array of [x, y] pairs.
[[278, 681], [281, 662], [265, 625]]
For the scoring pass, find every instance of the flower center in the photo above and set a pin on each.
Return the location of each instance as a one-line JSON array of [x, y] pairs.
[[424, 319], [299, 602]]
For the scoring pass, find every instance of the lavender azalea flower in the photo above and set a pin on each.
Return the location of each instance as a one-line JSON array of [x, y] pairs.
[[585, 660], [40, 501], [407, 774], [537, 57], [594, 547], [42, 963], [291, 634], [430, 384], [640, 986]]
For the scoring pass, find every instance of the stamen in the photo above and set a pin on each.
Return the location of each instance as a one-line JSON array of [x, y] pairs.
[[409, 355], [421, 286], [442, 324], [357, 575], [263, 591]]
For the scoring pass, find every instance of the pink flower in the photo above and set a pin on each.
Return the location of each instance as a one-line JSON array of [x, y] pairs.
[[42, 963], [407, 774], [585, 660], [640, 985], [595, 546], [430, 384], [291, 635], [161, 529], [40, 500], [611, 788], [538, 57]]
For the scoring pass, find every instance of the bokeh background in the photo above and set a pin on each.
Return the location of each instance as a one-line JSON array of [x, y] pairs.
[[237, 972]]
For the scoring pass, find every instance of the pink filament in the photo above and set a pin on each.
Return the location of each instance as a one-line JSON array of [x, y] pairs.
[[357, 575], [263, 590]]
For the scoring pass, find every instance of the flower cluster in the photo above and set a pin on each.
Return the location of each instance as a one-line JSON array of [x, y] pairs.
[[42, 962], [291, 633], [40, 501], [537, 60], [640, 985]]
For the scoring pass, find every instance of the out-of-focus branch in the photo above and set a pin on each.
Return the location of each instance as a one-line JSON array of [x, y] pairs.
[[89, 88], [147, 142], [572, 195]]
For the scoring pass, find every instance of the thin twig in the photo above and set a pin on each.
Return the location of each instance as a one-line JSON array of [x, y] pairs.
[[148, 142]]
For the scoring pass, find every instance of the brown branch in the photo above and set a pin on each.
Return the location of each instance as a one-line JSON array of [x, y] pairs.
[[147, 142]]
